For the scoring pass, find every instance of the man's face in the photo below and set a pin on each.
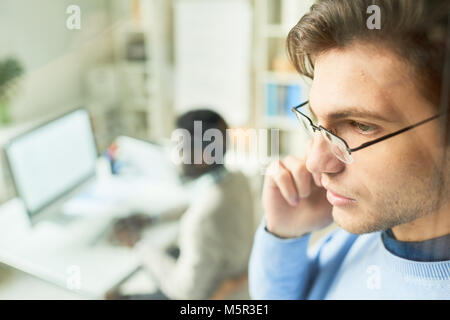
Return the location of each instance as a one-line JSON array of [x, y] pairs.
[[394, 181]]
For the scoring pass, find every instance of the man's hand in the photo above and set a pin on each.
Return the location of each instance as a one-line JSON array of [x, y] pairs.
[[127, 231], [294, 200]]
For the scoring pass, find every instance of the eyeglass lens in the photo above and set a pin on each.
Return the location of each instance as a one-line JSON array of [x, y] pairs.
[[305, 124], [337, 146]]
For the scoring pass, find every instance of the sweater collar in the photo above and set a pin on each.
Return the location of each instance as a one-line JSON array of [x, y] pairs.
[[432, 250], [430, 273]]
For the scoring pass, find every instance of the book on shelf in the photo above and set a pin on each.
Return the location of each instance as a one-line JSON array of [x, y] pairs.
[[293, 99], [280, 98]]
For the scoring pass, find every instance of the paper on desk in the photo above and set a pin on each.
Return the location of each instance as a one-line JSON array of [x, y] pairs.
[[144, 159], [121, 196], [101, 198]]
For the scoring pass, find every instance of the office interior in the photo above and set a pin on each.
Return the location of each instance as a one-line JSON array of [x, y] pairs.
[[134, 66]]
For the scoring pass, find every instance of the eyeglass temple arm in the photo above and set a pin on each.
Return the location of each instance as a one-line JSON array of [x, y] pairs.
[[299, 106], [369, 143]]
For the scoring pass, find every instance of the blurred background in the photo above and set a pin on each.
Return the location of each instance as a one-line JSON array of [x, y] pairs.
[[135, 66]]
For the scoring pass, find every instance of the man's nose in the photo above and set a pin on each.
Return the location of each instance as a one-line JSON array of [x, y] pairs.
[[320, 158]]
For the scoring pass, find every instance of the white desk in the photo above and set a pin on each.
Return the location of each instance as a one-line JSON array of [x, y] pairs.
[[30, 250], [47, 252], [17, 285]]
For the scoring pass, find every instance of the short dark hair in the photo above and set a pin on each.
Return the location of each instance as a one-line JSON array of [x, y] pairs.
[[414, 29], [209, 119]]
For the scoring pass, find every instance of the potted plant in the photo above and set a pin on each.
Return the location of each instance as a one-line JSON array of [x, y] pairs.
[[10, 71]]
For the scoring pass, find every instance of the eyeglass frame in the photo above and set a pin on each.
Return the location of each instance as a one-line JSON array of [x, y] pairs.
[[366, 144]]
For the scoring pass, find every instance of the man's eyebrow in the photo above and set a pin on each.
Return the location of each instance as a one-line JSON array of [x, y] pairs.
[[352, 112]]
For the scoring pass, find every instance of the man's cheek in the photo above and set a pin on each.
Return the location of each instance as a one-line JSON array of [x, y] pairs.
[[374, 181]]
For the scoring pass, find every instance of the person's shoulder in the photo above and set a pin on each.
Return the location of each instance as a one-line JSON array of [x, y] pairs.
[[339, 240], [340, 236], [340, 233]]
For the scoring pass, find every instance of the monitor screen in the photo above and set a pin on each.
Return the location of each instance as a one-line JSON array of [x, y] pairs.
[[51, 160]]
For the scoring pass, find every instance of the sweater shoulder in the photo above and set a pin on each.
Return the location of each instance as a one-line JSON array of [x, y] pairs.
[[339, 242]]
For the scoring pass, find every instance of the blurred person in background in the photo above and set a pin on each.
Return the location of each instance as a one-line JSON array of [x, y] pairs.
[[377, 164], [215, 232]]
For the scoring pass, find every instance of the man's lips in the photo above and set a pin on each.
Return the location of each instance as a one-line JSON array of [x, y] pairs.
[[337, 199]]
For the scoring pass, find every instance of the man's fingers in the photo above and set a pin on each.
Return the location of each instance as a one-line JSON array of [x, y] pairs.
[[317, 180], [302, 177], [280, 176]]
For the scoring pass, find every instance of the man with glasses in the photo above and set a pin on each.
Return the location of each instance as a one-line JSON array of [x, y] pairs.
[[376, 162]]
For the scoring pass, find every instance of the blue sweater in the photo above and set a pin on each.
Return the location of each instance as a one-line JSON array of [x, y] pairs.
[[341, 266]]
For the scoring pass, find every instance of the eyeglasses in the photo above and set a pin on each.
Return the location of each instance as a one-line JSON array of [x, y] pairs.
[[338, 145]]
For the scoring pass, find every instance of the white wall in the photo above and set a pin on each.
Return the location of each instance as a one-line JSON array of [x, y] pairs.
[[213, 57], [55, 58]]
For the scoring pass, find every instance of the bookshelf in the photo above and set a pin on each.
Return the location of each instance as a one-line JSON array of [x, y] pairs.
[[129, 94], [142, 57], [277, 86]]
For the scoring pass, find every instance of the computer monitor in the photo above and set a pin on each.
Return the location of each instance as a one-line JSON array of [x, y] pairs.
[[48, 162]]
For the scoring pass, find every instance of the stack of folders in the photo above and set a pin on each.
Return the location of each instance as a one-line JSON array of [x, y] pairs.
[[280, 98]]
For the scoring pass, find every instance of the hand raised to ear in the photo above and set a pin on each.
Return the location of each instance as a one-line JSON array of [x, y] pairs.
[[294, 201]]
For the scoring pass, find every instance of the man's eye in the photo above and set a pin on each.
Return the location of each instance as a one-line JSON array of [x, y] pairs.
[[364, 128]]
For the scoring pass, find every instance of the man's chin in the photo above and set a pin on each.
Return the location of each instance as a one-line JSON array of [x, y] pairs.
[[354, 220]]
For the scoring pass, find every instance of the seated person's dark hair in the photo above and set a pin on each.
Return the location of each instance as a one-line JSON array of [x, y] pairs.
[[209, 120]]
